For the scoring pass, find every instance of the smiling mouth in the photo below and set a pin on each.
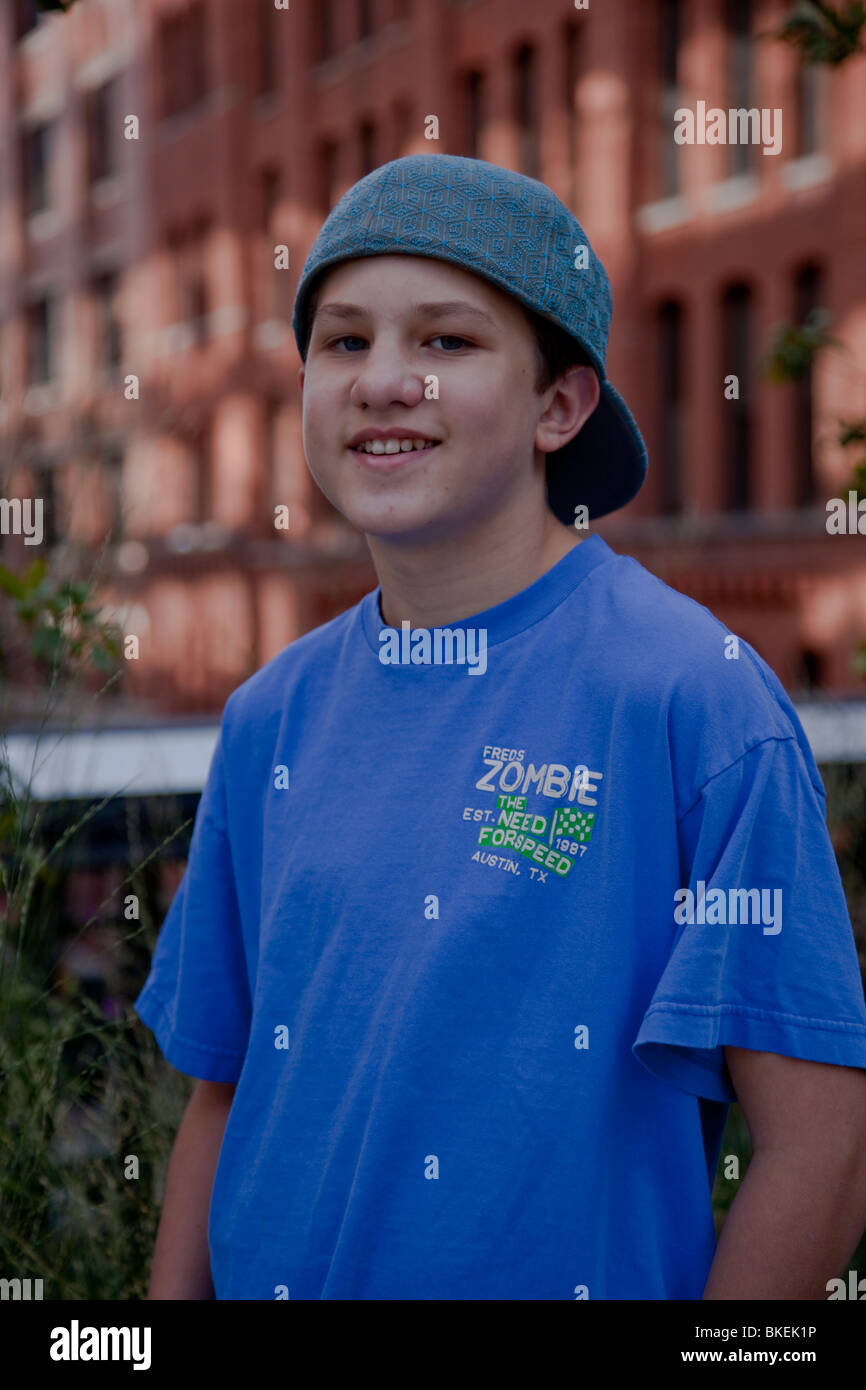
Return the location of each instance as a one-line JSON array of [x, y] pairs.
[[388, 448]]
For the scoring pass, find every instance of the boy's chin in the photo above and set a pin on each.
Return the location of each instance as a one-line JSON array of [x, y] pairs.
[[409, 531], [418, 524]]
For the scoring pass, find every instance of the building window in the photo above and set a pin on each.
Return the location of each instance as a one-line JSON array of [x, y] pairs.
[[272, 407], [267, 50], [269, 197], [277, 281], [807, 296], [737, 348], [401, 113], [669, 335], [367, 147], [365, 18], [36, 151], [570, 73], [112, 482], [110, 350], [325, 29], [201, 445], [738, 15], [42, 341], [526, 111], [44, 478], [182, 60], [473, 88], [187, 247], [197, 306], [670, 37], [807, 99], [327, 174], [101, 131]]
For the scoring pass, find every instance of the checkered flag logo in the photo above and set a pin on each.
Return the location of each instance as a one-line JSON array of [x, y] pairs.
[[577, 825]]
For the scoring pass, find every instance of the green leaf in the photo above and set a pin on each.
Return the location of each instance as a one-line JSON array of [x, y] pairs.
[[852, 432], [823, 34], [11, 583], [791, 353], [35, 573], [47, 643], [103, 660]]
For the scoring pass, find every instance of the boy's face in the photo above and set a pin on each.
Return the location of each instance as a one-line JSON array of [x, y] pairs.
[[368, 366]]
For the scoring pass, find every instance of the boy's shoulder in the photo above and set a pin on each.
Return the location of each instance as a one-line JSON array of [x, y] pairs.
[[263, 695], [647, 606], [719, 695], [671, 635]]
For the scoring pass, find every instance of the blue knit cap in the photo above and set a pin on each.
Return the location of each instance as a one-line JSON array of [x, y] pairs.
[[516, 233]]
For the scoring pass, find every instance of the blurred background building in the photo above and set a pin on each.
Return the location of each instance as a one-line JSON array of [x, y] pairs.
[[156, 156]]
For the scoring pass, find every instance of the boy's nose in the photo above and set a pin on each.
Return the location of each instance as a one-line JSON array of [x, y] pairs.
[[386, 375]]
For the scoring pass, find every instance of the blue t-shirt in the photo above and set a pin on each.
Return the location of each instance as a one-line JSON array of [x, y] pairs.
[[435, 925]]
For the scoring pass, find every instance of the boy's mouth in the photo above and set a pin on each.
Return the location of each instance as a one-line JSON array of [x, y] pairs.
[[386, 455], [394, 446]]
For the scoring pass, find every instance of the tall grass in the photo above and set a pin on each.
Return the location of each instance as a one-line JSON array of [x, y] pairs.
[[88, 1106]]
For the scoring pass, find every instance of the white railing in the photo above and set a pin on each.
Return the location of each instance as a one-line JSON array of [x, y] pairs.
[[172, 759]]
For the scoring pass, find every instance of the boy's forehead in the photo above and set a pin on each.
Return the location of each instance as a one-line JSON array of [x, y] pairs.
[[426, 272]]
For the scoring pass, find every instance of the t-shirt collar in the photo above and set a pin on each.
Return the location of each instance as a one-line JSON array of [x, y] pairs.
[[514, 614]]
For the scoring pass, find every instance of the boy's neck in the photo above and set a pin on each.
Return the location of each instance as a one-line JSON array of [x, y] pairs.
[[451, 582]]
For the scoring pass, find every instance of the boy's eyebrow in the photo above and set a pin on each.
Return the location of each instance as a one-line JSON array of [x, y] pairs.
[[448, 308]]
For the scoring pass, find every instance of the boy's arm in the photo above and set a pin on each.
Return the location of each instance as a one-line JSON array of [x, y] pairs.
[[801, 1208], [181, 1261]]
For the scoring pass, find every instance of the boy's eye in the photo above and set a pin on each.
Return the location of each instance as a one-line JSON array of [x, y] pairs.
[[440, 337], [346, 338], [453, 338]]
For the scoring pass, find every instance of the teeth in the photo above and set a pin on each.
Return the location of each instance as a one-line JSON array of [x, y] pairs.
[[393, 446]]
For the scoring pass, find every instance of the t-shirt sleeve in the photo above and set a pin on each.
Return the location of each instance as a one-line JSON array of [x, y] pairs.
[[196, 998], [774, 972]]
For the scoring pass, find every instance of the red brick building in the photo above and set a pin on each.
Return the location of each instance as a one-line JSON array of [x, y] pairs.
[[154, 154]]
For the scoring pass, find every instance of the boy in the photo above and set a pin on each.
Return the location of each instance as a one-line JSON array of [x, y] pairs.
[[485, 925]]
